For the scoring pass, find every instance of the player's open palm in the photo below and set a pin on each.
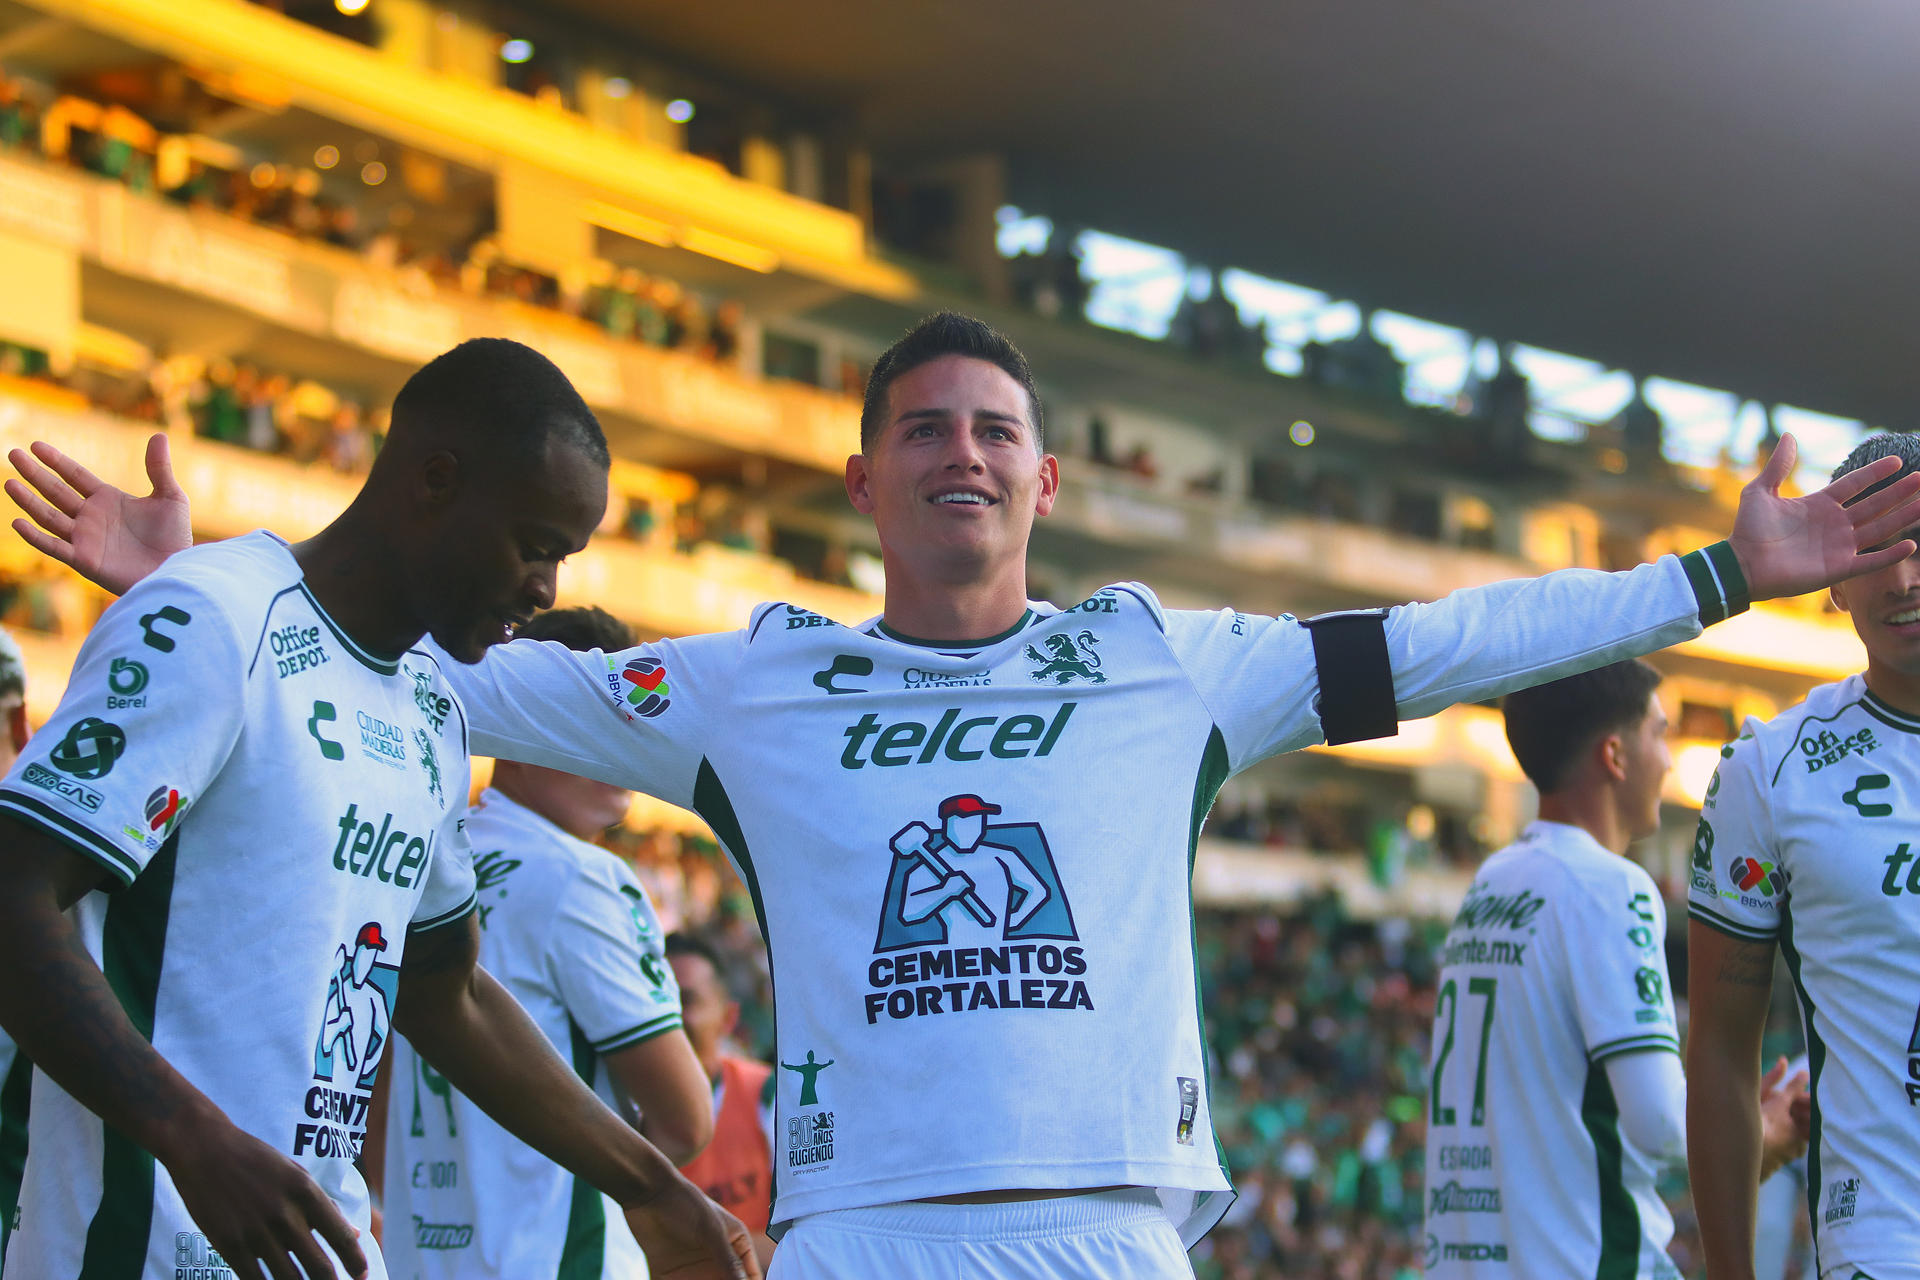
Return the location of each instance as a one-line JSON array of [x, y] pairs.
[[688, 1237], [1790, 546], [260, 1210], [103, 532]]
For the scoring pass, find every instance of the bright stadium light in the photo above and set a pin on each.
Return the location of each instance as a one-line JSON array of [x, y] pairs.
[[616, 86], [516, 51], [326, 156], [350, 7], [373, 173], [679, 111], [1301, 433]]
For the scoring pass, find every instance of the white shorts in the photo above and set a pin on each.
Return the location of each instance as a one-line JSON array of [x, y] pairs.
[[1091, 1237]]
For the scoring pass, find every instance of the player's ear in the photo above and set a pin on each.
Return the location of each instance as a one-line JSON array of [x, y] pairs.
[[1049, 484], [859, 484], [1838, 594], [438, 479], [1613, 756]]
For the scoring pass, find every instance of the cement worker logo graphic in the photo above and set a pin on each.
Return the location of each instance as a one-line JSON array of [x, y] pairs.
[[985, 881]]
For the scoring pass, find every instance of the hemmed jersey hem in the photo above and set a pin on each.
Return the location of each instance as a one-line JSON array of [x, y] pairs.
[[1066, 1178], [460, 912], [639, 1035], [1720, 924], [1633, 1044], [78, 837]]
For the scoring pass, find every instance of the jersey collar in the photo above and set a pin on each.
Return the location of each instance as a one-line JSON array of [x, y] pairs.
[[1888, 713], [1027, 619]]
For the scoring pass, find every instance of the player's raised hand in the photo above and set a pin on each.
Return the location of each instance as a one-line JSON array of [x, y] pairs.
[[260, 1211], [101, 531], [1790, 546], [688, 1237]]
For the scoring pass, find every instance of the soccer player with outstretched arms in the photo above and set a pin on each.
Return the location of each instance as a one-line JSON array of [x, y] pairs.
[[234, 863], [967, 825], [1807, 845], [1556, 1092]]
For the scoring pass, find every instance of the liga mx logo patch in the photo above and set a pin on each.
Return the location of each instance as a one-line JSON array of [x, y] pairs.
[[163, 811], [642, 686], [1751, 875]]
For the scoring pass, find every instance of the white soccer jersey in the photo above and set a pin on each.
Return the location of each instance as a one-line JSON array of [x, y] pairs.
[[275, 808], [972, 863], [567, 929], [1554, 964], [1806, 837], [16, 1079]]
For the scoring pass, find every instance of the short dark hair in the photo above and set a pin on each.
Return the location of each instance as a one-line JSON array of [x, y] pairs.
[[945, 333], [1552, 725], [681, 943], [1904, 445], [499, 392], [589, 627]]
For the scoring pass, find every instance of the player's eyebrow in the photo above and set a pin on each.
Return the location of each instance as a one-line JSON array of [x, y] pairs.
[[992, 415]]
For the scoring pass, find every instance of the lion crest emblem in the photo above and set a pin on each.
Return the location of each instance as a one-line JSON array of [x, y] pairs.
[[1068, 658]]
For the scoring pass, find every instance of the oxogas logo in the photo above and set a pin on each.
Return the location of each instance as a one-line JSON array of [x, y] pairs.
[[77, 794]]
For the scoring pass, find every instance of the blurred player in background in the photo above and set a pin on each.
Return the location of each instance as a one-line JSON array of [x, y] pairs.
[[1034, 1101], [570, 934], [1807, 843], [16, 1073], [236, 861], [1556, 1090], [736, 1169]]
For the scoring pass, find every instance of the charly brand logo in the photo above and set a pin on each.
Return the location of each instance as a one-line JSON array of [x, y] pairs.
[[151, 633], [89, 749], [844, 666], [323, 713], [1067, 658], [640, 687], [965, 904], [1856, 795], [126, 684]]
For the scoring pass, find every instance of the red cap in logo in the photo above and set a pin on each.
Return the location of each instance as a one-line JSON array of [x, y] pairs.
[[965, 805], [370, 936]]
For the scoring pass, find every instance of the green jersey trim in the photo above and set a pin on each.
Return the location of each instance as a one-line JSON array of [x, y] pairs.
[[1213, 774], [1719, 587], [710, 801], [638, 1035], [384, 664], [1816, 1062], [133, 944], [1619, 1216], [1026, 620], [82, 839], [1891, 716], [460, 912], [583, 1256], [15, 1095], [1732, 928], [1633, 1044]]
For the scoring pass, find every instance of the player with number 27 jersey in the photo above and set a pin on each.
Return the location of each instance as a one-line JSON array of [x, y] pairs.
[[1554, 964], [1806, 837]]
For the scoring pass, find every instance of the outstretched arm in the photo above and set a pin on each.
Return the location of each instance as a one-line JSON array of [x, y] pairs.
[[470, 1030]]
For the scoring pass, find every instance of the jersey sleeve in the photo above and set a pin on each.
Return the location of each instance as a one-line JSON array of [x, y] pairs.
[[606, 953], [449, 892], [639, 718], [1616, 944], [153, 708], [1256, 674], [1736, 882]]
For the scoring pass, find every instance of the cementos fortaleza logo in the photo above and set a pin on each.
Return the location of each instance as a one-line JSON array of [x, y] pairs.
[[1751, 875], [643, 685]]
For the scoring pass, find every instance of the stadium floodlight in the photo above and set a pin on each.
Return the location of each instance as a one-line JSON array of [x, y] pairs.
[[680, 111], [516, 50]]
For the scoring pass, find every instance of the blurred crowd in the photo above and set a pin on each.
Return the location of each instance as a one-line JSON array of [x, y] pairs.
[[342, 200]]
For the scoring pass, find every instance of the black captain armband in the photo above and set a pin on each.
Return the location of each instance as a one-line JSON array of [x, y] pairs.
[[1356, 679]]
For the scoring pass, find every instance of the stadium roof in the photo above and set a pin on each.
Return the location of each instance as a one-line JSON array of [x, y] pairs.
[[1720, 191]]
